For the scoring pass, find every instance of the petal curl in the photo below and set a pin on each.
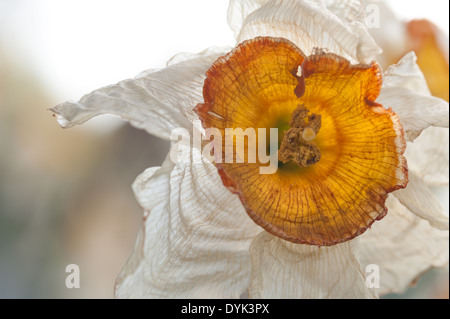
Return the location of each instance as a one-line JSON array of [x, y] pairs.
[[419, 199], [428, 156], [284, 270], [195, 237], [157, 101], [404, 247], [309, 24], [406, 92]]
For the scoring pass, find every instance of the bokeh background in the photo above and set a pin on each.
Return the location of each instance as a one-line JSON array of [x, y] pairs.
[[65, 195]]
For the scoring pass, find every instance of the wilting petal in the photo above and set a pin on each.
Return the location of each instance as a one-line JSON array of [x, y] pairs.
[[419, 199], [403, 246], [406, 92], [155, 101], [428, 156], [195, 238], [238, 10], [309, 24], [284, 270], [361, 143], [346, 10]]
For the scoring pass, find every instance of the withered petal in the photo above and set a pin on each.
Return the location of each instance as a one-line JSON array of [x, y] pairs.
[[281, 269], [404, 246]]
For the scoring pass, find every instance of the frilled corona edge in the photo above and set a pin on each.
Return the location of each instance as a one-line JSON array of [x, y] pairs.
[[259, 85]]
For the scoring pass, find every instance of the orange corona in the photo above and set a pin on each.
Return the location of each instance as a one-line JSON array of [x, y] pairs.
[[361, 143]]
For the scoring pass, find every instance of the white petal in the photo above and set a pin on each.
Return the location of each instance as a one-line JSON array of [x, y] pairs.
[[157, 101], [238, 10], [406, 92], [428, 156], [406, 73], [281, 269], [419, 199], [309, 24], [346, 10], [403, 246], [195, 238]]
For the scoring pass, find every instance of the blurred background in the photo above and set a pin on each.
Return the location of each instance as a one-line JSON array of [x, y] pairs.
[[65, 195]]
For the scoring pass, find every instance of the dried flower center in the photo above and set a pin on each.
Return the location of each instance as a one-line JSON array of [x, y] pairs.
[[297, 144]]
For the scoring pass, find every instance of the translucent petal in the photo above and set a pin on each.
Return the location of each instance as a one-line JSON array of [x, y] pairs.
[[309, 24], [406, 92], [195, 237], [403, 246], [157, 101], [428, 156], [284, 270], [419, 199]]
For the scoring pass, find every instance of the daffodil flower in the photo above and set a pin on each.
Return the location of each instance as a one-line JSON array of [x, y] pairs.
[[218, 230]]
